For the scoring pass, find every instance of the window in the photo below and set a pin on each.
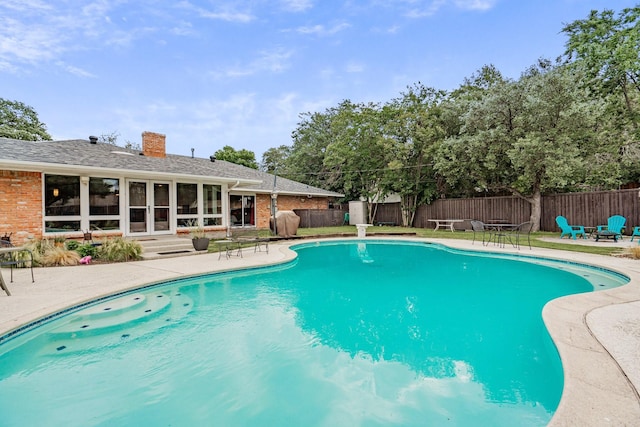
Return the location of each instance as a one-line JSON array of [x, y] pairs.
[[212, 204], [61, 203], [187, 204], [104, 203], [242, 210]]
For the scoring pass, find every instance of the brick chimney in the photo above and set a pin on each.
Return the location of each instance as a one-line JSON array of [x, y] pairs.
[[153, 144]]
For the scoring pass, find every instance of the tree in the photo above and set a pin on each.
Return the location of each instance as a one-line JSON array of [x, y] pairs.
[[527, 137], [606, 47], [20, 121], [311, 138], [358, 152], [274, 160], [413, 130], [240, 157]]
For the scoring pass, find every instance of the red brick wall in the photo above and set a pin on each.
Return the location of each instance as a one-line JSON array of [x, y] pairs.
[[153, 144], [20, 205], [285, 203]]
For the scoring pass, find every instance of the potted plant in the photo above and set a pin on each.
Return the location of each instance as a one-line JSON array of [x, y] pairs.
[[199, 239]]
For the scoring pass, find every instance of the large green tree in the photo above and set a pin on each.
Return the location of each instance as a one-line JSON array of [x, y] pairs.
[[274, 160], [526, 137], [606, 47], [413, 128], [20, 121], [242, 157], [358, 152]]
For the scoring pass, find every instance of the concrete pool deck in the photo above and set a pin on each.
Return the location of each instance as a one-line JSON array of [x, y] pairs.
[[597, 334]]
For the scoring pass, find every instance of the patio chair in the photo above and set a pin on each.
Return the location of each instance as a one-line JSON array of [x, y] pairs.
[[10, 256], [615, 224], [636, 232], [520, 231], [478, 227], [569, 230]]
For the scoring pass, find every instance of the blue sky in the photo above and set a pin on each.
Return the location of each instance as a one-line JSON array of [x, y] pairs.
[[239, 72]]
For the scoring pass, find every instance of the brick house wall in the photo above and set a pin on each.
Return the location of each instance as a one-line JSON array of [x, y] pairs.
[[285, 203], [20, 205]]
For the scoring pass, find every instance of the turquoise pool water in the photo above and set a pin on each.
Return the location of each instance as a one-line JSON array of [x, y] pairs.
[[350, 334]]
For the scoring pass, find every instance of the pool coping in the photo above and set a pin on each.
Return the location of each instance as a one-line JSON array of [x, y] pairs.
[[597, 334]]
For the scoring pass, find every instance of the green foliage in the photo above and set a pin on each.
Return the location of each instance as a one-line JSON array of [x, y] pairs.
[[118, 249], [20, 121], [87, 249], [240, 157], [274, 160], [72, 245]]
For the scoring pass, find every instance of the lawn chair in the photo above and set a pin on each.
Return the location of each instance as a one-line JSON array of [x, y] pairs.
[[569, 230], [615, 224], [636, 232]]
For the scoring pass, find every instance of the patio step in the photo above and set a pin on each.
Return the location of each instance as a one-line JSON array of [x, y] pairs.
[[166, 247]]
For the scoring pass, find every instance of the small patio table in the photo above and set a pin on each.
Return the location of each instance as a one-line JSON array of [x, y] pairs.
[[445, 223], [501, 234], [607, 234]]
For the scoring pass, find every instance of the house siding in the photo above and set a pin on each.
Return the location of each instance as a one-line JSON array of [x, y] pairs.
[[21, 205], [285, 203]]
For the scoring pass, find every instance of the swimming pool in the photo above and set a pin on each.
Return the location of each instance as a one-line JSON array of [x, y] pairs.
[[367, 327]]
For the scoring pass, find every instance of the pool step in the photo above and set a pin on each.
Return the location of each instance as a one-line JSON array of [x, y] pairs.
[[112, 321]]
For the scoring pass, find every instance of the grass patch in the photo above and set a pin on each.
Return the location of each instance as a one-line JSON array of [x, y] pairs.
[[350, 230]]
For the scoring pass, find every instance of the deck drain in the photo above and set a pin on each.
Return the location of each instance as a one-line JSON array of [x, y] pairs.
[[174, 252]]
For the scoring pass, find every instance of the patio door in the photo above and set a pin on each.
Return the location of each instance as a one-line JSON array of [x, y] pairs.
[[149, 207]]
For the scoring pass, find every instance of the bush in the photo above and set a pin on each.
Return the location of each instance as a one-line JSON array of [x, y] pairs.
[[60, 256], [118, 249], [87, 249], [38, 248], [72, 245]]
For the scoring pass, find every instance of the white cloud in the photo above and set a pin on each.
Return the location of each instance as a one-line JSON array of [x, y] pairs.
[[475, 4], [321, 30], [75, 70], [274, 61], [297, 5], [421, 8], [354, 67], [224, 12]]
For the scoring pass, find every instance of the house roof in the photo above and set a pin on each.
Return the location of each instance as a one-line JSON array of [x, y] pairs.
[[81, 156]]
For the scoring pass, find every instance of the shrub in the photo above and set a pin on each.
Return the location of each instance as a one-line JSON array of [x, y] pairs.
[[87, 249], [38, 248], [118, 249], [59, 255], [72, 245], [634, 252]]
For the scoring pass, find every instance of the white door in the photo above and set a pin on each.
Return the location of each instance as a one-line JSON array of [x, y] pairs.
[[149, 207]]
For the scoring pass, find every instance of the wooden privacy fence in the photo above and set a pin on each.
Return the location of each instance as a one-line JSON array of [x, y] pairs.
[[588, 209], [313, 218]]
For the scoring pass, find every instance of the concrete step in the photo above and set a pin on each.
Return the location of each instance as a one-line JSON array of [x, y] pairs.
[[166, 246]]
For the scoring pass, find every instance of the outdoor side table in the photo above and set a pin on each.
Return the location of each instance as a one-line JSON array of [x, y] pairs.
[[607, 234]]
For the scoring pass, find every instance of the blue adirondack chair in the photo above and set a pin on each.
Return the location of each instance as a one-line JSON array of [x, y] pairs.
[[614, 223], [569, 230]]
